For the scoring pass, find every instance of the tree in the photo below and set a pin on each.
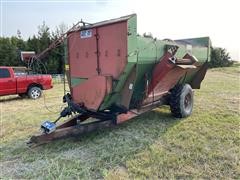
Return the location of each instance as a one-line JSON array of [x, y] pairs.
[[44, 36], [10, 51], [60, 29], [33, 44], [19, 34], [10, 48], [220, 58], [55, 61]]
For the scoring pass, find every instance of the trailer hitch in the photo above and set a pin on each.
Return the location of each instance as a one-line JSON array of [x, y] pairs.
[[48, 127]]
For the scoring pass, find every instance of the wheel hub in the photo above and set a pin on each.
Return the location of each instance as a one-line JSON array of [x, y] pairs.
[[35, 93]]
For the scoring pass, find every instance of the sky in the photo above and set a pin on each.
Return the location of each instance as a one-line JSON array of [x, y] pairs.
[[173, 19]]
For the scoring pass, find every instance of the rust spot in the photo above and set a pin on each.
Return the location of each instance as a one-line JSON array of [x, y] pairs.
[[86, 54], [106, 53], [118, 52]]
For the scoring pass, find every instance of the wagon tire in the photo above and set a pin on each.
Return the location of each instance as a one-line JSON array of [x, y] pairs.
[[34, 92], [181, 101]]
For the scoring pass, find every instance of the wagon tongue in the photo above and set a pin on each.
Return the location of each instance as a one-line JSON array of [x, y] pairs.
[[73, 126], [70, 128]]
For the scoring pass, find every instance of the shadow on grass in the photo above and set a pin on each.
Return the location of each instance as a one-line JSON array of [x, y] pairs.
[[145, 123], [102, 149], [11, 98]]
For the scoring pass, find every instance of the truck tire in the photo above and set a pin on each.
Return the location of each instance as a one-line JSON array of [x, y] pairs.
[[181, 101], [34, 92]]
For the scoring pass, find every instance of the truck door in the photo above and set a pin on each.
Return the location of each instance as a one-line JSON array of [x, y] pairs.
[[7, 82]]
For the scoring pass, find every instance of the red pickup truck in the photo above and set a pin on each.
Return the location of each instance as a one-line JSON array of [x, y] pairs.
[[13, 80]]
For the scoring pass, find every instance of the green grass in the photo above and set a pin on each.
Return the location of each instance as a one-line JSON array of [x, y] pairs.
[[154, 145]]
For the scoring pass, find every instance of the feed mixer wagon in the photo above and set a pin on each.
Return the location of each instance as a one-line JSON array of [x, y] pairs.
[[114, 74]]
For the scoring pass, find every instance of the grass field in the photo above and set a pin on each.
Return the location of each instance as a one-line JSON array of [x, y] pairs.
[[154, 145]]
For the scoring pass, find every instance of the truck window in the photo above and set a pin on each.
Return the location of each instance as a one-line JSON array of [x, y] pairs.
[[20, 71], [4, 73]]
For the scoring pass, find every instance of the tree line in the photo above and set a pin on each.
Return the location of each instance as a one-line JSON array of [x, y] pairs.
[[10, 48]]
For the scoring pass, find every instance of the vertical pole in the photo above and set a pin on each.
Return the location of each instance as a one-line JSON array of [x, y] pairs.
[[97, 52], [64, 74]]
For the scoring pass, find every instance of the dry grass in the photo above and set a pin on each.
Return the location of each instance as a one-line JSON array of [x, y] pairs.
[[154, 145]]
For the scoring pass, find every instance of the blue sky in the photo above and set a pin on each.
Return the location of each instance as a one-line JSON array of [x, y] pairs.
[[173, 19], [27, 15]]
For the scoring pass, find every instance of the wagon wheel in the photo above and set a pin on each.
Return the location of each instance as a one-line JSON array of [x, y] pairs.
[[181, 101]]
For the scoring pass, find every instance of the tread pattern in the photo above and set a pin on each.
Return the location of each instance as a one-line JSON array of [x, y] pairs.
[[174, 101]]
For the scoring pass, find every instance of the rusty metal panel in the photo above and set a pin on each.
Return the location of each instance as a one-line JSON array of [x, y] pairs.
[[82, 54], [199, 76], [69, 129], [113, 48], [168, 81], [160, 70], [125, 116], [92, 92], [136, 112]]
